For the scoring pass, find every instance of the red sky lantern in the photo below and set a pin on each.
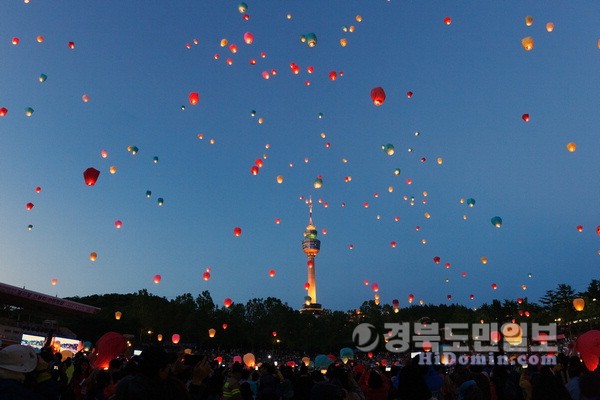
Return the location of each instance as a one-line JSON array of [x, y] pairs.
[[54, 281], [447, 20], [272, 273], [436, 259], [409, 94], [411, 298], [90, 176], [310, 69], [449, 297], [375, 287], [15, 41], [254, 170], [274, 333], [38, 189], [494, 286], [227, 302], [225, 326], [378, 96], [579, 228], [471, 296], [248, 38], [118, 224], [194, 98], [206, 276], [306, 286], [29, 206], [393, 244], [525, 117], [598, 230], [332, 75], [237, 231], [258, 162], [71, 45], [3, 111], [175, 338], [157, 278]]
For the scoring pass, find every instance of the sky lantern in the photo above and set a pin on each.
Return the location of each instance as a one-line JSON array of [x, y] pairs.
[[42, 78], [103, 153], [306, 286], [206, 275], [157, 278], [242, 7], [277, 221], [175, 338], [225, 326], [494, 286], [71, 45], [233, 48], [471, 202], [375, 287], [93, 256], [212, 332], [54, 281], [436, 259], [378, 96], [227, 302], [3, 111], [15, 41], [237, 231], [248, 38], [393, 244], [118, 315], [254, 170], [28, 112], [527, 43], [249, 360], [484, 260], [496, 221], [271, 273], [525, 117], [578, 304], [28, 206], [118, 224], [332, 75], [550, 26], [571, 147], [311, 39], [40, 39], [598, 230], [529, 20], [194, 98], [409, 94], [85, 98], [579, 228], [447, 20], [343, 42], [274, 333], [90, 176], [38, 189], [318, 183], [411, 298], [279, 178], [389, 149], [160, 201]]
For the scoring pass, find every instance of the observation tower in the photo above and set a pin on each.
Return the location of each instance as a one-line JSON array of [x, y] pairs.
[[311, 247]]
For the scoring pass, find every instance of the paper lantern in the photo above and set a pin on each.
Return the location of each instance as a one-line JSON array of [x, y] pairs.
[[212, 332], [237, 231], [3, 111], [227, 302], [272, 273], [248, 38], [529, 20], [194, 98], [378, 96], [497, 222], [206, 276], [249, 360], [550, 26], [93, 256], [571, 147], [527, 43], [118, 315], [175, 338], [90, 176], [579, 304], [159, 337], [54, 281], [157, 278]]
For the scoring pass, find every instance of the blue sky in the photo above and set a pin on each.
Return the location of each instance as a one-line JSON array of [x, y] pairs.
[[471, 82]]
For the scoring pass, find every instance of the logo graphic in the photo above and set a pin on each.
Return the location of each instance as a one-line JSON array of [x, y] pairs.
[[365, 337]]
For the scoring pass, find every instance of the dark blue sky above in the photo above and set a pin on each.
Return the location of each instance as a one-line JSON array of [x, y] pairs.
[[471, 82]]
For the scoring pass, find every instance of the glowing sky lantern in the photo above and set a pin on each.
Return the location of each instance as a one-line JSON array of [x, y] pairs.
[[494, 286], [15, 41], [175, 338], [194, 98], [318, 183], [393, 244], [28, 112], [254, 170], [311, 39], [93, 256], [85, 98], [484, 260], [242, 7], [3, 111], [271, 273], [411, 298], [375, 287], [42, 78], [529, 20], [527, 43], [343, 42], [233, 48], [332, 75], [279, 178], [389, 149], [248, 38], [103, 153], [525, 117], [550, 26], [578, 304], [112, 169], [28, 206], [249, 360], [306, 286], [206, 275], [157, 279], [40, 39], [496, 221], [38, 189], [378, 96], [447, 20], [71, 45], [277, 221], [54, 281], [237, 231], [118, 315], [571, 147], [118, 224], [227, 302], [436, 259], [471, 202], [160, 201]]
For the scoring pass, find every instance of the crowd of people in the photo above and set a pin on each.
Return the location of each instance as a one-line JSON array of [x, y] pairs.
[[158, 374]]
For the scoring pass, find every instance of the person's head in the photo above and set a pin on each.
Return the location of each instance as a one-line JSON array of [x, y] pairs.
[[154, 362], [236, 370], [375, 381], [16, 360]]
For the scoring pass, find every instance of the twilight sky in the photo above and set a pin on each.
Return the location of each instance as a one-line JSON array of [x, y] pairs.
[[461, 135]]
